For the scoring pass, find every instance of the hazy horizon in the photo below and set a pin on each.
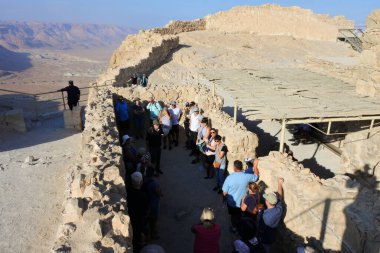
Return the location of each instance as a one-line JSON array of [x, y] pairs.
[[147, 14]]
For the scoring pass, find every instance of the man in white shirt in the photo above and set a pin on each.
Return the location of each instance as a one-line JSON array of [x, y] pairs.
[[195, 124], [176, 117]]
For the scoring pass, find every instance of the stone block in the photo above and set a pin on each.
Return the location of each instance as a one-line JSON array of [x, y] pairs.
[[13, 120], [73, 119], [72, 211], [121, 225]]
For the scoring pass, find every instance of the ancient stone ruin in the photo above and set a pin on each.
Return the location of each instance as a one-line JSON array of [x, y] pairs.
[[340, 212]]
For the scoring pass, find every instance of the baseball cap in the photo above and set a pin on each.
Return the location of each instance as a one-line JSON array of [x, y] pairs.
[[155, 122], [271, 198], [136, 179], [196, 109], [173, 102], [248, 160], [125, 139]]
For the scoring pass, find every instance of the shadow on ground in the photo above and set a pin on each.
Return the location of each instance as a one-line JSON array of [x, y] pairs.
[[14, 61]]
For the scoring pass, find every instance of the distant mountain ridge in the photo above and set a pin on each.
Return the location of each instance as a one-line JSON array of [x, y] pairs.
[[28, 35]]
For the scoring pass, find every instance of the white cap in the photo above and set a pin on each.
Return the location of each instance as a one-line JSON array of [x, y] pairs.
[[248, 160], [136, 179]]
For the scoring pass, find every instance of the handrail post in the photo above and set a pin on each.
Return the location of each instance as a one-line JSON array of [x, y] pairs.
[[213, 89], [235, 113], [328, 128], [35, 107], [63, 100], [282, 138], [370, 128]]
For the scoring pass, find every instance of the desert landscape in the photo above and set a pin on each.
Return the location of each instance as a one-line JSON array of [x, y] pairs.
[[275, 64]]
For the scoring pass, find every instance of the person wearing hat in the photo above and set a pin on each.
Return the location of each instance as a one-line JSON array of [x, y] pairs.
[[73, 94], [270, 218], [252, 166], [138, 117], [138, 208], [207, 233], [176, 114], [153, 140], [130, 154]]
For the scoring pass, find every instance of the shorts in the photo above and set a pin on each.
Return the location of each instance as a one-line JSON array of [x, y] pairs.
[[210, 159]]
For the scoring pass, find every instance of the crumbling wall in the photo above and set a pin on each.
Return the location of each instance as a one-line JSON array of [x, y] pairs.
[[368, 82], [176, 27], [276, 20], [95, 212], [361, 154], [139, 54], [338, 213]]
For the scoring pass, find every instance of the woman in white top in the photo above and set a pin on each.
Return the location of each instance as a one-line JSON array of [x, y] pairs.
[[165, 121], [210, 154]]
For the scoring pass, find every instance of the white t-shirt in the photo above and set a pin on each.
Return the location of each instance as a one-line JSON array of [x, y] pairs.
[[195, 122], [175, 115]]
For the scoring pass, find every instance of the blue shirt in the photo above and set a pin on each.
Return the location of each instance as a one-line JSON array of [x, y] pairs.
[[236, 186], [121, 109], [249, 170], [268, 222], [154, 109]]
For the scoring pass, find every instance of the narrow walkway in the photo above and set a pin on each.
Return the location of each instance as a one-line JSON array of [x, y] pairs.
[[186, 193]]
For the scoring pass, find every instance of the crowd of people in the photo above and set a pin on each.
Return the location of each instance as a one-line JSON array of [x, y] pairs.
[[254, 215]]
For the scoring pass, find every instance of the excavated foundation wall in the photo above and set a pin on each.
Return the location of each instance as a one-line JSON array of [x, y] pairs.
[[338, 213]]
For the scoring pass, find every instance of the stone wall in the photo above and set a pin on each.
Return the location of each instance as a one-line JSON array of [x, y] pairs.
[[12, 120], [276, 20], [240, 142], [362, 154], [139, 54], [176, 26], [94, 216], [368, 82], [338, 213]]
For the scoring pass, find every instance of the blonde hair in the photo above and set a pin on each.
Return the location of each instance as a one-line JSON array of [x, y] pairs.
[[207, 217]]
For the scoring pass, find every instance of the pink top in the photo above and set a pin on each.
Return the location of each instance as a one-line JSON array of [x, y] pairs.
[[206, 239]]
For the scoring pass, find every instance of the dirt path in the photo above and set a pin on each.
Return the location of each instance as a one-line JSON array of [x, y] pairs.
[[32, 194], [186, 193]]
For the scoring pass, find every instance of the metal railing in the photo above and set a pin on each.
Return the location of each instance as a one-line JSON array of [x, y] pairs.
[[45, 102]]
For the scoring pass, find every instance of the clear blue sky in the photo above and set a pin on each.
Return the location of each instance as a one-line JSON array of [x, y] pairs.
[[146, 14]]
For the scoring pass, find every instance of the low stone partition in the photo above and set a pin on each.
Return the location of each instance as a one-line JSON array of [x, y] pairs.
[[13, 120], [95, 212], [361, 155], [338, 214]]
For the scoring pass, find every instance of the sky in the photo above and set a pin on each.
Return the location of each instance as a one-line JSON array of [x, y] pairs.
[[146, 14]]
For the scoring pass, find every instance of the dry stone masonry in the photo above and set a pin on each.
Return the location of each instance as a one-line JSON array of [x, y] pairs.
[[340, 213]]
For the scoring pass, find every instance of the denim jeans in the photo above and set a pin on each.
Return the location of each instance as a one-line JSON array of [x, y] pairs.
[[219, 177]]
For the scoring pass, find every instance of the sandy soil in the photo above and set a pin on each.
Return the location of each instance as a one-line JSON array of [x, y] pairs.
[[32, 193]]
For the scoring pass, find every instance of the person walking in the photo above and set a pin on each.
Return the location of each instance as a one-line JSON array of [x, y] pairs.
[[73, 94], [220, 163], [138, 118], [122, 115]]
